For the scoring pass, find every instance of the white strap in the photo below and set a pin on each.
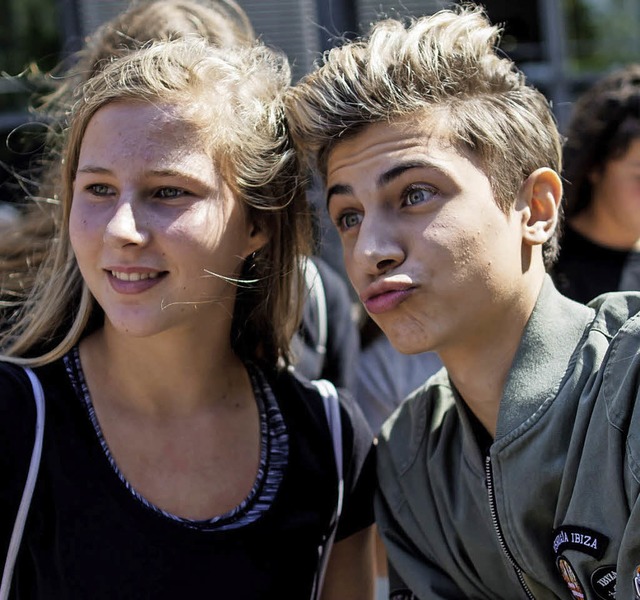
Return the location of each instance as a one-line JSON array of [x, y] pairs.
[[316, 290], [332, 409], [21, 518]]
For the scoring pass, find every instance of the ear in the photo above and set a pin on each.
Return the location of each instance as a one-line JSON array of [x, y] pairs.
[[540, 197], [257, 239]]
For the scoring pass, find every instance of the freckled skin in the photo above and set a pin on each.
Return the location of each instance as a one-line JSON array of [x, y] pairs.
[[136, 152], [462, 254]]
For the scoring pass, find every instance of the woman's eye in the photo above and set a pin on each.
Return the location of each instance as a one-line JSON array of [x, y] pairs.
[[348, 220], [99, 189], [418, 195], [169, 192]]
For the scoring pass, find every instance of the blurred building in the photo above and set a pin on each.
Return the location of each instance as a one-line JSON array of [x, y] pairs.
[[562, 45]]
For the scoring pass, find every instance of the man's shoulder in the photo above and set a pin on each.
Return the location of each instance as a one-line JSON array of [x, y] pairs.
[[425, 410], [616, 312]]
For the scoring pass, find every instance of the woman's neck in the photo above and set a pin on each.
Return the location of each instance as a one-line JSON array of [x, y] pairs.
[[156, 376]]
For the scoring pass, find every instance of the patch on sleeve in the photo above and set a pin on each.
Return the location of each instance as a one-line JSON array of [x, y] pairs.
[[402, 595], [571, 537], [570, 578], [603, 582], [636, 582]]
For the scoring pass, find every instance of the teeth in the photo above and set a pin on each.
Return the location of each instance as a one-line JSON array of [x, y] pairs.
[[133, 276]]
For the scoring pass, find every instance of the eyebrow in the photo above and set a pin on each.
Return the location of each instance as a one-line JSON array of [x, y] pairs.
[[96, 170], [91, 169], [384, 179]]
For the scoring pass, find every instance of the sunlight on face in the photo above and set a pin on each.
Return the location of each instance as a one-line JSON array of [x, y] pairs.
[[151, 217]]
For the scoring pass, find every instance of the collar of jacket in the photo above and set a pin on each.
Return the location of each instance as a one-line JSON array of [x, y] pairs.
[[545, 354]]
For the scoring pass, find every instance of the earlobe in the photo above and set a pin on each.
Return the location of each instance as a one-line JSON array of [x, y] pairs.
[[540, 198]]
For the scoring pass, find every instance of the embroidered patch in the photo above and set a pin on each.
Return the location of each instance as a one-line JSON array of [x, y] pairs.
[[402, 595], [636, 582], [571, 579], [603, 582], [571, 537]]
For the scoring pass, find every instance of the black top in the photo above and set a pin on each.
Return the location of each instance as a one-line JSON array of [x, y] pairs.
[[585, 269], [89, 536]]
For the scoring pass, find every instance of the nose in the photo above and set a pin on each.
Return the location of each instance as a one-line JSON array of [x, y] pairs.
[[377, 248], [125, 226]]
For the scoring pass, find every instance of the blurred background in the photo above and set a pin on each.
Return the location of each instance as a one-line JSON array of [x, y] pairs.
[[562, 45]]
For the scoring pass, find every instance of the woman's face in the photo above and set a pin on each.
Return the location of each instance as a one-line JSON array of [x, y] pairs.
[[613, 217], [156, 231]]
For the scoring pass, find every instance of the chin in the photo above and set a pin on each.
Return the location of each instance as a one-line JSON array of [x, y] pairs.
[[409, 344]]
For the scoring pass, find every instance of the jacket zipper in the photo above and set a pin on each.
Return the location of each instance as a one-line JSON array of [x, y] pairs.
[[499, 534]]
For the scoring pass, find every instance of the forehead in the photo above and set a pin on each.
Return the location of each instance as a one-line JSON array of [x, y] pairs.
[[129, 118], [417, 141], [135, 130]]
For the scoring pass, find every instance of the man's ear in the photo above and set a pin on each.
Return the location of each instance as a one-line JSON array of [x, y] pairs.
[[540, 197]]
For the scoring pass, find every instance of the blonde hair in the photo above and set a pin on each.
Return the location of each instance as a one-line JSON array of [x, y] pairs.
[[446, 64], [24, 249], [245, 132]]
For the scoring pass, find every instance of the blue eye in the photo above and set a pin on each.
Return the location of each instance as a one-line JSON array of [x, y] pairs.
[[418, 195], [99, 189], [169, 192], [348, 220]]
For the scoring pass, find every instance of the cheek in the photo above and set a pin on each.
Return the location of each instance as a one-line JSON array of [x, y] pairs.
[[78, 226]]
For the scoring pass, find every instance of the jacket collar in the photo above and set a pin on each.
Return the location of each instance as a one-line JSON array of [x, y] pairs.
[[556, 326]]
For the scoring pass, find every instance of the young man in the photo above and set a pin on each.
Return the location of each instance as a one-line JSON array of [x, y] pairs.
[[514, 472]]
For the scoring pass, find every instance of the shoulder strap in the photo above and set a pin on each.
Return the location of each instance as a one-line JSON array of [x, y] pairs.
[[332, 409], [316, 290], [25, 503]]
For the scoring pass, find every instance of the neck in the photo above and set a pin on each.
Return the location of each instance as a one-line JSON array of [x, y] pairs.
[[479, 369], [154, 377], [603, 229]]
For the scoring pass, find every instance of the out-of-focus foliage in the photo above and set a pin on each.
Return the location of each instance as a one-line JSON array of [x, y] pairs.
[[31, 39], [602, 34]]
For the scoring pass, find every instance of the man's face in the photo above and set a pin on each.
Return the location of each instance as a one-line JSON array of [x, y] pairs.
[[436, 263]]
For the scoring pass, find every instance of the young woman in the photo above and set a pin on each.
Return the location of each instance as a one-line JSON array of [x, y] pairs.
[[181, 457], [326, 345]]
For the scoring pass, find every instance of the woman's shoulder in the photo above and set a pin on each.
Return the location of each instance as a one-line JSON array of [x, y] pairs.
[[15, 387], [297, 394], [17, 424]]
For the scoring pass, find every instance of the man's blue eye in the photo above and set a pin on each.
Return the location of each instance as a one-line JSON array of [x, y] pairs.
[[418, 195], [349, 220]]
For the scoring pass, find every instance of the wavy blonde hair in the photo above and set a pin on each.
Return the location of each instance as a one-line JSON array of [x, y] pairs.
[[446, 65], [246, 133], [25, 247]]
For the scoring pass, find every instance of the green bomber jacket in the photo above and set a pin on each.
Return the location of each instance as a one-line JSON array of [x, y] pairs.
[[550, 509]]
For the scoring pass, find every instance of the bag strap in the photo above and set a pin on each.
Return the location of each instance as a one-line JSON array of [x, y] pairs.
[[27, 494], [332, 409], [315, 286]]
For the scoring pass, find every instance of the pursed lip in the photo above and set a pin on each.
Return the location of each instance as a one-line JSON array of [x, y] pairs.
[[385, 295]]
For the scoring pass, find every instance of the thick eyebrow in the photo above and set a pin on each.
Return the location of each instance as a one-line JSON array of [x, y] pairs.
[[338, 188], [384, 179]]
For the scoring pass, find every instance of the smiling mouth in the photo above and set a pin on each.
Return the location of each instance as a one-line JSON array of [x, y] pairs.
[[133, 276]]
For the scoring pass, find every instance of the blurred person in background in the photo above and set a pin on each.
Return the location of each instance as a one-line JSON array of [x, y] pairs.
[[600, 245]]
